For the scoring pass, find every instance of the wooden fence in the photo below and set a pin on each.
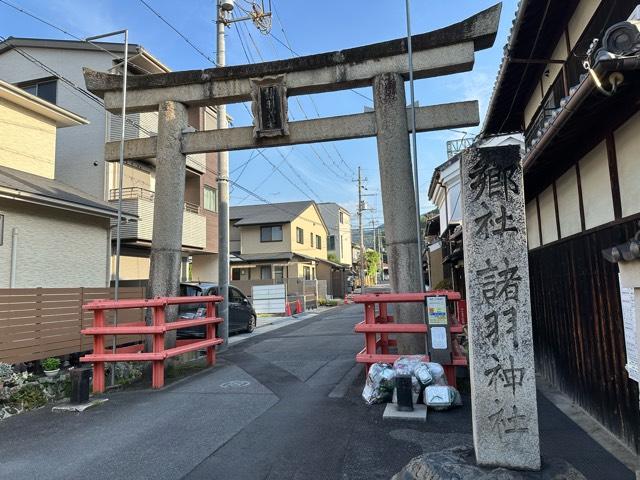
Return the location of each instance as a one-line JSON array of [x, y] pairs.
[[578, 328], [37, 323]]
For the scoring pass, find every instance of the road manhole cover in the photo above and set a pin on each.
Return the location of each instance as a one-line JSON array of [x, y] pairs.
[[235, 384]]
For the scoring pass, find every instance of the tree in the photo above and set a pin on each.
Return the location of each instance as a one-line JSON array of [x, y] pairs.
[[372, 259]]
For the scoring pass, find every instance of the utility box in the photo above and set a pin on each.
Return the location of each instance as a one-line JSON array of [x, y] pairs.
[[80, 379]]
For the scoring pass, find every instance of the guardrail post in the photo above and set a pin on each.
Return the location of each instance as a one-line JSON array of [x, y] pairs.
[[157, 377], [384, 337], [98, 348], [370, 337], [210, 329]]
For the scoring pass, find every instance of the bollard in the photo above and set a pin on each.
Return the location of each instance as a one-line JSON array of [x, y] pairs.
[[404, 393], [80, 385]]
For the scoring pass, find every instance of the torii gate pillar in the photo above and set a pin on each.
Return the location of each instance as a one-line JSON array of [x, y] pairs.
[[398, 199]]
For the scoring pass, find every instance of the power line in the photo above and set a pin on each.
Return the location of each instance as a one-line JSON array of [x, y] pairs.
[[157, 14]]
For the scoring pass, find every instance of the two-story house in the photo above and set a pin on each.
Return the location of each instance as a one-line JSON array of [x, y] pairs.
[[277, 241], [580, 113], [51, 234], [52, 70]]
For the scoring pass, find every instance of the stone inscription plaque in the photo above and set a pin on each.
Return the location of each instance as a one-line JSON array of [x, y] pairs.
[[269, 107], [505, 418]]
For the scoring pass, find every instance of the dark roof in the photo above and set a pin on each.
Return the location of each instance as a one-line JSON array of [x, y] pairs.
[[270, 213], [33, 188], [536, 30]]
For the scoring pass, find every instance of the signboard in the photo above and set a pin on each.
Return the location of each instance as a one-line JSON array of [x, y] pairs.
[[437, 319], [269, 106], [437, 310], [629, 319]]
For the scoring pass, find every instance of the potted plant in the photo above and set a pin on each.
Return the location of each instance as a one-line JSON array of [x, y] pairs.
[[51, 366]]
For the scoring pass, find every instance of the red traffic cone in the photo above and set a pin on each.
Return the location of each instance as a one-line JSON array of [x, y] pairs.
[[287, 309], [298, 306]]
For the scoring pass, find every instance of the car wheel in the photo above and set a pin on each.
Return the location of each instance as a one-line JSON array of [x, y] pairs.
[[251, 326]]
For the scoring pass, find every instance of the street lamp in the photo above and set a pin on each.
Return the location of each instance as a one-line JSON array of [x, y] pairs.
[[120, 171]]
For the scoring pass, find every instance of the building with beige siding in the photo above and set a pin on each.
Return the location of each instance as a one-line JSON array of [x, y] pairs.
[[29, 63], [51, 234], [282, 243], [582, 187]]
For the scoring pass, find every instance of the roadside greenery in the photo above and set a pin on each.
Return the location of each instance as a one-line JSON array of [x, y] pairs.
[[372, 259]]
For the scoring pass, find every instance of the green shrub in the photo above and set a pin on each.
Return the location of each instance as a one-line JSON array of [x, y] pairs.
[[50, 363], [29, 397]]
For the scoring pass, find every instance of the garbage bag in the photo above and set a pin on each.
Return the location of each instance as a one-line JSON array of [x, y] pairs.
[[437, 373], [423, 375], [405, 365], [380, 384], [439, 397]]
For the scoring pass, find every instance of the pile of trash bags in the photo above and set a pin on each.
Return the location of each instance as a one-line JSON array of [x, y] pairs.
[[427, 381]]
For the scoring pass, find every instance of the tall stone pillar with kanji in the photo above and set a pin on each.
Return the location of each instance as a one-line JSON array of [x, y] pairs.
[[503, 385]]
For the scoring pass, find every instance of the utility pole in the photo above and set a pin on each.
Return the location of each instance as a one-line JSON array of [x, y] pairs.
[[361, 227], [223, 189], [262, 21]]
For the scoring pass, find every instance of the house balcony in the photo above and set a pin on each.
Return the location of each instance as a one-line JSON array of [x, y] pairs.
[[140, 202]]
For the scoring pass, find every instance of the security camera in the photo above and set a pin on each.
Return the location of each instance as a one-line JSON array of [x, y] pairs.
[[95, 163]]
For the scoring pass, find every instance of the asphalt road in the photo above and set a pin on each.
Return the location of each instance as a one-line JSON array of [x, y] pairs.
[[282, 405]]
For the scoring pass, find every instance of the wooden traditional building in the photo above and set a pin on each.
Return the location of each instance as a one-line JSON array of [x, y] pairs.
[[582, 187]]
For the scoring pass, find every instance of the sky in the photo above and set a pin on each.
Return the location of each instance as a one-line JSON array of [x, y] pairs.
[[324, 172]]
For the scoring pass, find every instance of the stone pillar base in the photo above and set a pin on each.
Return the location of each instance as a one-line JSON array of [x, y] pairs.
[[459, 462]]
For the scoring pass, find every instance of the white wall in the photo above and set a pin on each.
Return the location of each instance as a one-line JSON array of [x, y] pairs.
[[548, 216], [56, 248], [568, 203], [596, 187], [627, 139], [533, 230]]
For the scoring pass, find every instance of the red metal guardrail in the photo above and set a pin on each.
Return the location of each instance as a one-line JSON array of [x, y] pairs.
[[377, 321], [158, 328]]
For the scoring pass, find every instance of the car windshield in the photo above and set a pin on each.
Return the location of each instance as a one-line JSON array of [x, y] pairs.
[[191, 309]]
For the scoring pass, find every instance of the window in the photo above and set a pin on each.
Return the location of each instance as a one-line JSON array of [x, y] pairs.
[[235, 296], [271, 234], [311, 239], [240, 274], [331, 242], [306, 271], [210, 199], [265, 272], [44, 89], [278, 273], [299, 235], [341, 217], [318, 242]]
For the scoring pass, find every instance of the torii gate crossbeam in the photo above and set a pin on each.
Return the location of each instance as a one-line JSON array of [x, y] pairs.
[[384, 66]]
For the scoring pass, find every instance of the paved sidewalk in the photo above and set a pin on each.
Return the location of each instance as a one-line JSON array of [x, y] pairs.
[[284, 404]]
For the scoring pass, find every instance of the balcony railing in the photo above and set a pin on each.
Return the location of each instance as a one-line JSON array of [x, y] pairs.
[[140, 201], [130, 193]]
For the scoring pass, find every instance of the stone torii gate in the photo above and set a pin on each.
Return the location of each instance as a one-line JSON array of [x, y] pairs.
[[384, 66]]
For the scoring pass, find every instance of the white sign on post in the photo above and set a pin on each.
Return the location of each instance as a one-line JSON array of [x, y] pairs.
[[627, 295]]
